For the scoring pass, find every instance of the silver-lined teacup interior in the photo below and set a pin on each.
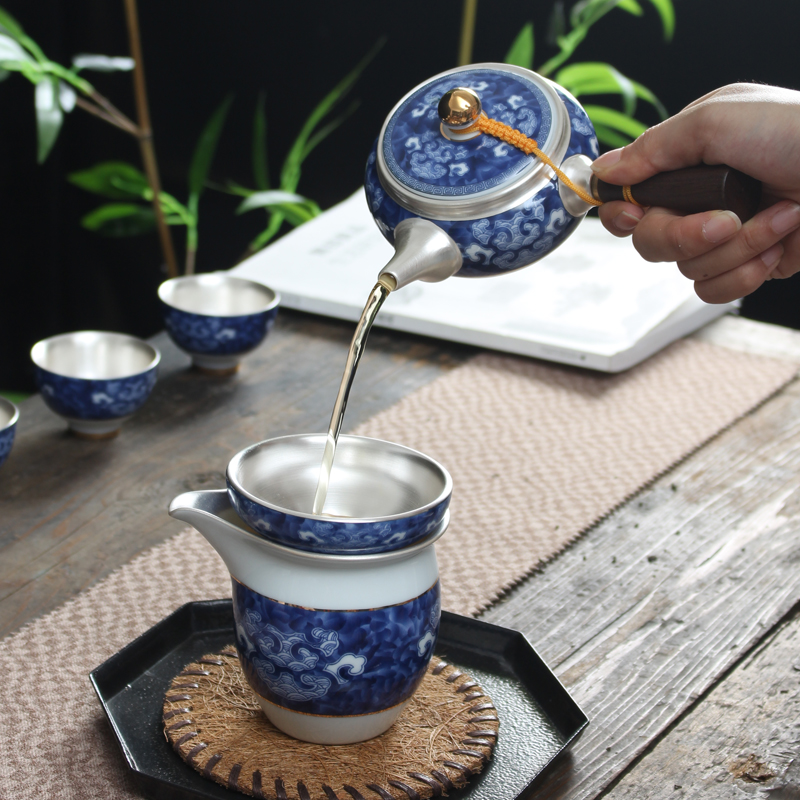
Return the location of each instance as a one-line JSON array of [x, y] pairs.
[[217, 295], [371, 479], [94, 355]]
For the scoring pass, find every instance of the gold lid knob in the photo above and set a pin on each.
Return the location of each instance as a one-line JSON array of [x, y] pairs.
[[459, 108]]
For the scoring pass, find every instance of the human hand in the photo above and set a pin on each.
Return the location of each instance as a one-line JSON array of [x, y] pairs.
[[755, 129]]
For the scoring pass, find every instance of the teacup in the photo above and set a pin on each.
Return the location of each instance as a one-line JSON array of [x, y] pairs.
[[381, 496], [95, 380], [9, 414], [332, 645], [217, 318]]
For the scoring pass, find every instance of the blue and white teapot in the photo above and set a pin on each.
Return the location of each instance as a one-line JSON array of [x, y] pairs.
[[457, 198]]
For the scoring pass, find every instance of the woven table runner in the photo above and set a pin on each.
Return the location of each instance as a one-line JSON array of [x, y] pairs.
[[538, 453]]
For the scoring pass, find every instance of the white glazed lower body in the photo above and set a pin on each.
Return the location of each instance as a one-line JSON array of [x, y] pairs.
[[330, 730]]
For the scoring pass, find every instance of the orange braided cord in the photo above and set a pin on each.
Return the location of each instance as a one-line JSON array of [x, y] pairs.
[[628, 195], [519, 140]]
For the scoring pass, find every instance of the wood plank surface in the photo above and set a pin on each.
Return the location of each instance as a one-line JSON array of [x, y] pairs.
[[74, 510], [742, 740], [647, 612], [639, 618]]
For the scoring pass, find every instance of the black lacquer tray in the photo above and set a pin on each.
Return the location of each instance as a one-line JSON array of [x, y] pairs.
[[538, 718]]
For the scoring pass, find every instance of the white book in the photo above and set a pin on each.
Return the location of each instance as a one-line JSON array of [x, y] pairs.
[[593, 302]]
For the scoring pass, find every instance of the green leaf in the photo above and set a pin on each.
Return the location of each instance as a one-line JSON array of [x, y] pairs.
[[667, 13], [328, 128], [615, 120], [4, 73], [204, 151], [521, 51], [66, 96], [48, 117], [120, 219], [260, 162], [10, 24], [597, 78], [10, 50], [103, 63], [269, 199], [632, 7], [585, 13], [290, 173], [609, 137], [115, 179]]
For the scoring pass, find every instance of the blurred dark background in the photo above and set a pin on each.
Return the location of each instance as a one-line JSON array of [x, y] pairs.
[[57, 277]]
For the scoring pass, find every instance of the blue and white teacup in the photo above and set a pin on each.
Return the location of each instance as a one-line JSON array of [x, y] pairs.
[[333, 646], [381, 496], [217, 318], [95, 380], [9, 414]]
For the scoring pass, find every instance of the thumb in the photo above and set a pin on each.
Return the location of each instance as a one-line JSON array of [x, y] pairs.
[[673, 144]]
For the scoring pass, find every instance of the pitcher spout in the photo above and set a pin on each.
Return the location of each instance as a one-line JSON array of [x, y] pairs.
[[211, 514]]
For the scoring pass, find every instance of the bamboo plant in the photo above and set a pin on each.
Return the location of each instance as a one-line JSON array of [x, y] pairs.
[[614, 127]]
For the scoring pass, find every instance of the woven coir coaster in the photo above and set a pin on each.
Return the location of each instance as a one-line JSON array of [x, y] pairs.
[[443, 737]]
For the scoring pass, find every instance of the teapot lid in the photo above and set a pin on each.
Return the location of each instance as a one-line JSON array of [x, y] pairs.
[[440, 177]]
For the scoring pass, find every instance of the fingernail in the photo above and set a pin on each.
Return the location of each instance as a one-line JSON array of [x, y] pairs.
[[721, 226], [607, 160], [772, 256], [786, 219], [625, 221]]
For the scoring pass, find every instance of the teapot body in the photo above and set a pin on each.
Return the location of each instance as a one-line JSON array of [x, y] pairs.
[[501, 208]]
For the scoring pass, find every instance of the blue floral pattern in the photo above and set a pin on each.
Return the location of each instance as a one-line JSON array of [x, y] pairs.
[[334, 536], [509, 240], [210, 335], [334, 663], [7, 441], [81, 398], [424, 160]]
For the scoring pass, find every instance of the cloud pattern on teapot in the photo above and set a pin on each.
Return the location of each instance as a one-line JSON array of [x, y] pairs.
[[423, 160], [341, 663]]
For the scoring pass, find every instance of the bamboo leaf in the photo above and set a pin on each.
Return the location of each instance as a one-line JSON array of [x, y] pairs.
[[269, 199], [290, 173], [66, 96], [10, 50], [610, 137], [103, 63], [615, 120], [598, 78], [204, 152], [114, 179], [329, 128], [10, 24], [120, 219], [260, 161], [521, 51], [48, 117], [667, 13], [632, 7]]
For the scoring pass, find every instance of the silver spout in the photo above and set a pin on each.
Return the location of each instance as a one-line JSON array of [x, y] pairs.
[[423, 252]]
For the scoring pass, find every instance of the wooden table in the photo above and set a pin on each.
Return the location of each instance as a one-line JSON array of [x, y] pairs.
[[674, 623]]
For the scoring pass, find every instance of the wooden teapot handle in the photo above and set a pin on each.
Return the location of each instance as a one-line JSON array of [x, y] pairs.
[[692, 190]]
